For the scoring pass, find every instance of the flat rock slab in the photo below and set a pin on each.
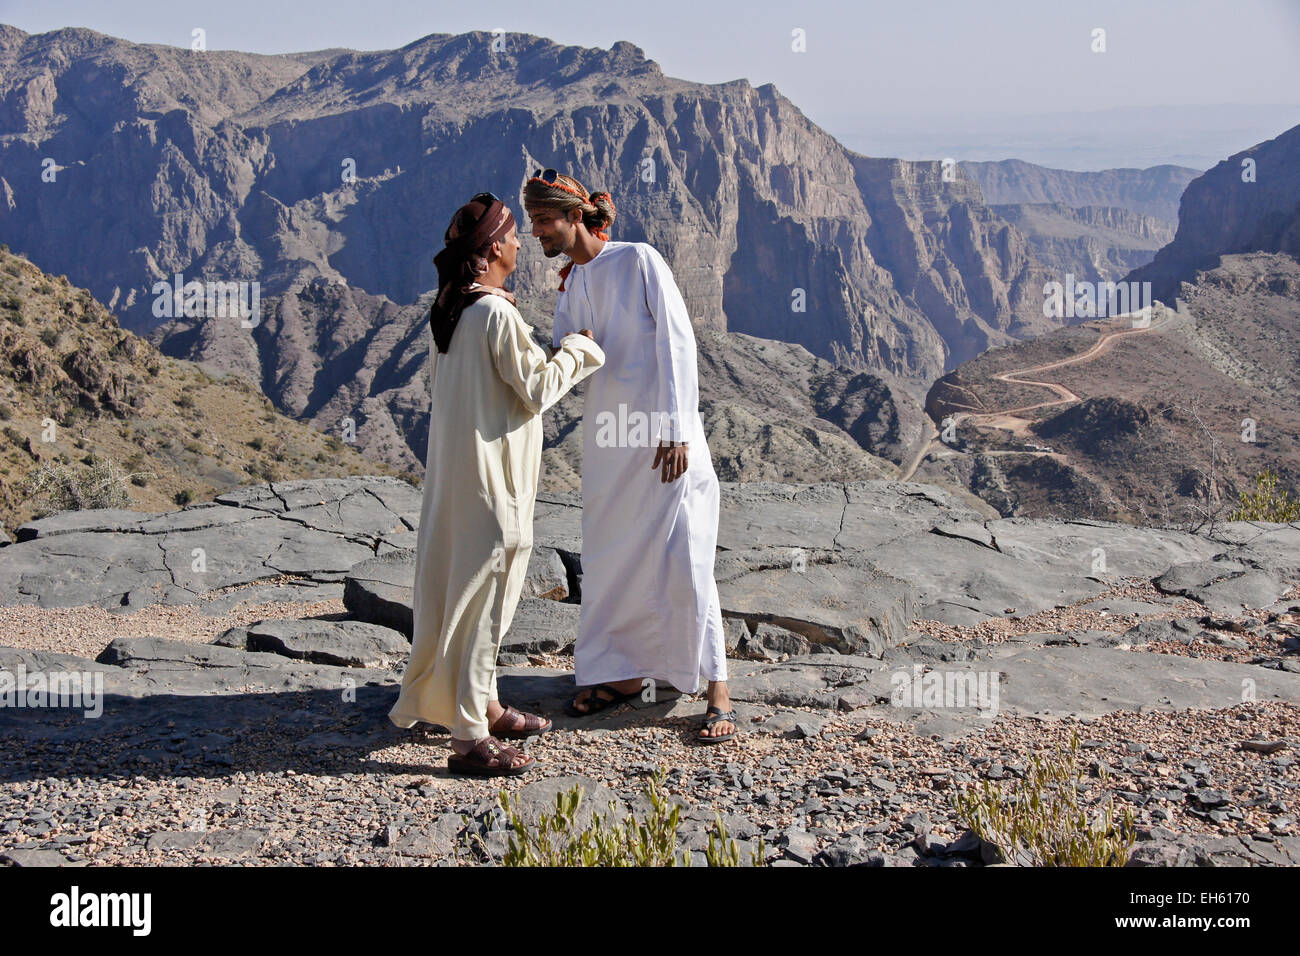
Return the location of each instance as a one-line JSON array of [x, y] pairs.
[[1090, 681], [853, 516], [381, 590], [179, 667], [39, 857], [964, 573], [110, 558], [1102, 548], [300, 592], [1224, 586], [339, 643], [76, 568], [841, 603], [433, 840], [557, 520], [541, 626], [844, 566], [369, 507], [1188, 850], [1264, 545]]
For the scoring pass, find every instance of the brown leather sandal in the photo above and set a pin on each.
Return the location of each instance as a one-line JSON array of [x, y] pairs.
[[517, 725], [489, 758]]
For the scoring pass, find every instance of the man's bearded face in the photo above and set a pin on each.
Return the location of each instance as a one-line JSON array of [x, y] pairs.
[[553, 229]]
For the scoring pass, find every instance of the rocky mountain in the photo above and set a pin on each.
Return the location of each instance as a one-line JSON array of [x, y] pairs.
[[1091, 243], [1167, 423], [773, 411], [1153, 192], [1250, 202], [234, 168], [1095, 226], [99, 417]]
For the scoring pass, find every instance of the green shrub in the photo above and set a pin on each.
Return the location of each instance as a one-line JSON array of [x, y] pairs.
[[651, 841], [1267, 503], [183, 497], [1045, 824]]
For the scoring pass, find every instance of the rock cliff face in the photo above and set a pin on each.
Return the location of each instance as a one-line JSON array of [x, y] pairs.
[[1250, 202], [231, 166], [1151, 192], [1092, 243]]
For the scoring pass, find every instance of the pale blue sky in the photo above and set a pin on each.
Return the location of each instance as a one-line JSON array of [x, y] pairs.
[[973, 80]]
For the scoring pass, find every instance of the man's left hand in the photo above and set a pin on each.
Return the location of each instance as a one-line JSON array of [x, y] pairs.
[[673, 459]]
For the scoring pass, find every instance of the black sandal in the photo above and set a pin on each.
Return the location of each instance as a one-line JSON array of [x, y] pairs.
[[595, 703], [718, 717]]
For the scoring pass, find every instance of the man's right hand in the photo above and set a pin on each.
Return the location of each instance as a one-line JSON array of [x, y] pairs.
[[587, 333]]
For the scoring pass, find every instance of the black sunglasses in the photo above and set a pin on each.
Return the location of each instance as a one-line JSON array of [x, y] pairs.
[[546, 175], [486, 198]]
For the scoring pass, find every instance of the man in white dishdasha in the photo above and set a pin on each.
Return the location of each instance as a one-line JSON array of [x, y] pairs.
[[650, 605]]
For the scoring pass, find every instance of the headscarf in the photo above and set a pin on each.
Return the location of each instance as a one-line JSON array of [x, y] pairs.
[[563, 193], [468, 239]]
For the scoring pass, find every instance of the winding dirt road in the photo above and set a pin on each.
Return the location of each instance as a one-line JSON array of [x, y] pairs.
[[1009, 419]]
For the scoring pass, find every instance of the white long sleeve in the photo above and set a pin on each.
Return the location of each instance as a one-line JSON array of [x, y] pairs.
[[678, 394]]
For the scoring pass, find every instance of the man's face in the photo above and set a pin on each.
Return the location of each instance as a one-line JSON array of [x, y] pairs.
[[554, 230], [509, 247]]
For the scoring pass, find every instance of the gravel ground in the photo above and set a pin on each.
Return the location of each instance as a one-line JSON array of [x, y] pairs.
[[1259, 633], [866, 777]]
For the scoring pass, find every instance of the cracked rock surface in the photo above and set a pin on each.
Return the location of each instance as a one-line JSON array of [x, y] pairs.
[[888, 647]]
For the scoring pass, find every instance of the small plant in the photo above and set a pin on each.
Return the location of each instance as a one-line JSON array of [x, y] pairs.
[[651, 841], [183, 497], [1045, 824], [256, 443], [186, 400], [51, 337], [1267, 503]]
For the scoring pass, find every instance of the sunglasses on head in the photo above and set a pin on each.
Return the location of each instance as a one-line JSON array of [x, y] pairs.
[[548, 176], [486, 198]]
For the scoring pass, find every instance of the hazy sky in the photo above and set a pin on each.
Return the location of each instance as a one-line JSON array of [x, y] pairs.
[[976, 80]]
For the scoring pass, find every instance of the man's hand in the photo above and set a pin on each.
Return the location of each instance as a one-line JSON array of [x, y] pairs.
[[673, 459], [587, 333]]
